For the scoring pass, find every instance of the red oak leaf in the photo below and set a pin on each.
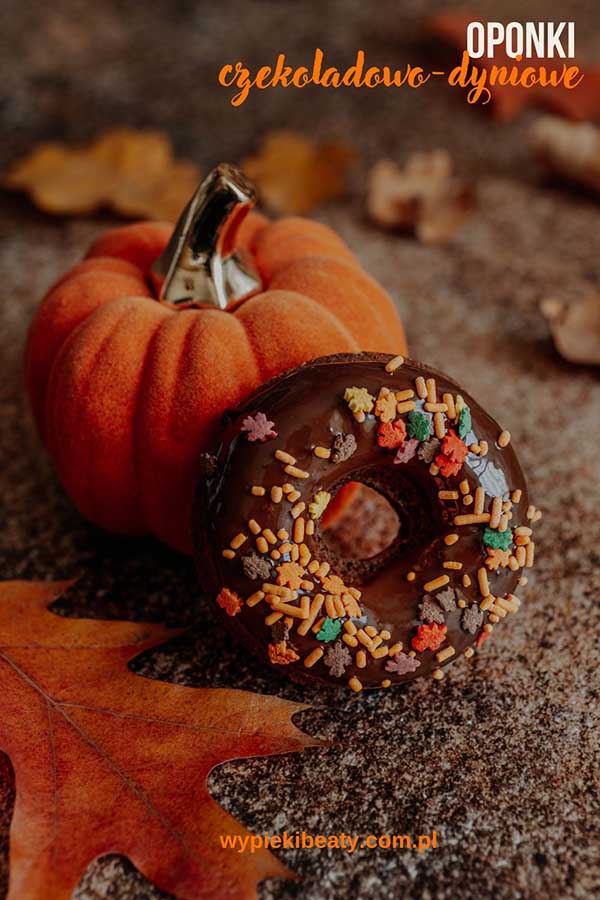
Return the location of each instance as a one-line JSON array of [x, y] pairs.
[[110, 761], [429, 637], [391, 434]]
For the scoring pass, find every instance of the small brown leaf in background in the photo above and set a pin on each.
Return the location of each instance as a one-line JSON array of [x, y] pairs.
[[569, 150], [507, 101], [424, 196], [109, 761], [575, 328], [293, 174], [131, 172]]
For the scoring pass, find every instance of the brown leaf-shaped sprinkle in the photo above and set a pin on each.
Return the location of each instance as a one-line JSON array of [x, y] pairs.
[[293, 173], [430, 611], [337, 659], [471, 619], [343, 447], [256, 567]]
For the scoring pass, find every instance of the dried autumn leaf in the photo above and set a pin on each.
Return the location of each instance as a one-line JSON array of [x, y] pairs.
[[134, 173], [569, 150], [293, 174], [575, 328], [425, 196], [507, 100], [109, 761]]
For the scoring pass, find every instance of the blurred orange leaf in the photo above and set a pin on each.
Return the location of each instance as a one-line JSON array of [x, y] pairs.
[[109, 761], [293, 174], [134, 173]]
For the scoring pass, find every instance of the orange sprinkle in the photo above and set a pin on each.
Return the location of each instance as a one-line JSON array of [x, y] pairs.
[[355, 684], [449, 401], [406, 406], [464, 486], [361, 659], [448, 495], [439, 425], [450, 539], [504, 439], [254, 526], [313, 657], [466, 581], [479, 501], [472, 519], [394, 363], [309, 528], [228, 554], [411, 576], [257, 490], [421, 387], [438, 674], [350, 640], [261, 544], [395, 648], [255, 598], [436, 583], [276, 493], [238, 540], [322, 452], [268, 534], [315, 607], [453, 564], [404, 395], [431, 391], [516, 495], [298, 509], [295, 472]]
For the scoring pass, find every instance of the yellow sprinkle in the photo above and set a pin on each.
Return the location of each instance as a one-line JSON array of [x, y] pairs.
[[479, 501], [284, 457], [393, 364], [529, 554], [295, 472], [450, 539], [448, 495], [516, 495], [436, 407], [446, 653], [486, 602], [406, 406], [468, 499], [298, 509], [495, 512], [411, 576], [322, 452], [483, 448], [439, 425], [384, 633], [257, 490], [453, 564], [438, 674], [466, 581], [464, 486], [421, 387], [309, 527], [299, 530], [273, 617], [469, 652], [431, 391], [255, 598], [287, 488], [504, 439], [293, 496], [395, 648], [408, 394], [449, 401]]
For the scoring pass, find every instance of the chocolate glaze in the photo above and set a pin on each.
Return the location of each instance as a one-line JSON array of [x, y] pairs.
[[307, 407]]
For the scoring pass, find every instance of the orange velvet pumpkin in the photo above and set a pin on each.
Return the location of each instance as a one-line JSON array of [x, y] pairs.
[[126, 392]]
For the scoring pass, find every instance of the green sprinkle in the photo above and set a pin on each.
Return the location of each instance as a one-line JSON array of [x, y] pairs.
[[497, 540], [464, 422], [329, 630], [418, 425]]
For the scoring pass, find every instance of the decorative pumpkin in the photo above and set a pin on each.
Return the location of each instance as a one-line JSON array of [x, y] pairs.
[[128, 386]]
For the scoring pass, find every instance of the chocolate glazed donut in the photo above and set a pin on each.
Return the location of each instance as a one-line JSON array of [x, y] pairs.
[[443, 464]]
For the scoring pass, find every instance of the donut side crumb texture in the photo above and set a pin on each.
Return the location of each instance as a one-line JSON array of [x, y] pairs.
[[302, 595]]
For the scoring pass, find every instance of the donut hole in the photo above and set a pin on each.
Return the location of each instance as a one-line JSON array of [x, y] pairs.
[[368, 525], [393, 515]]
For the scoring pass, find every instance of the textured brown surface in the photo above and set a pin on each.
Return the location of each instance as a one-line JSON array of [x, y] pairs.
[[502, 757]]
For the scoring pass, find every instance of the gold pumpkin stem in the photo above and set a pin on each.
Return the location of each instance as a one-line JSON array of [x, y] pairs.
[[200, 265]]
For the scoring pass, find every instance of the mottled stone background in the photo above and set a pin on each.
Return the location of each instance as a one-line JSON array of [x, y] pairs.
[[501, 758]]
